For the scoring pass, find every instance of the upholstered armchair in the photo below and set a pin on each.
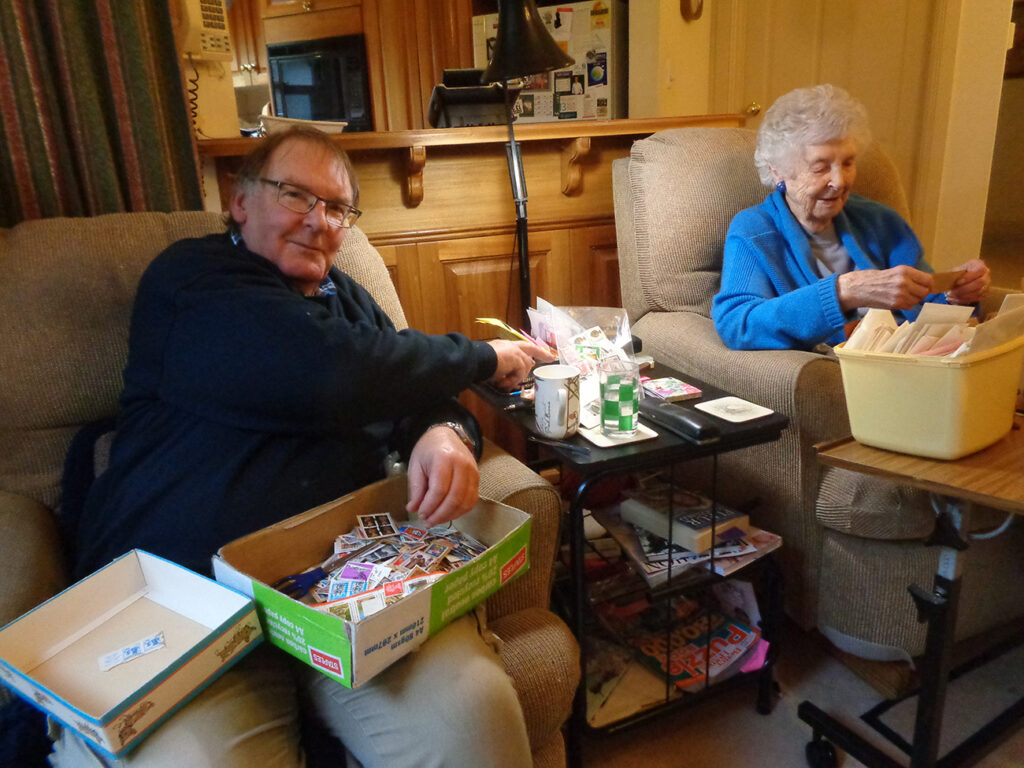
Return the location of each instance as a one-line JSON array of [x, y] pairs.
[[852, 544], [65, 301]]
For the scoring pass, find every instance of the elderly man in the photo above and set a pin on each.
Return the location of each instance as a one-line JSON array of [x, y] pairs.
[[262, 381]]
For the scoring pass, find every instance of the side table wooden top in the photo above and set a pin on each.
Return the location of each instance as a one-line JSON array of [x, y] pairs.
[[993, 476]]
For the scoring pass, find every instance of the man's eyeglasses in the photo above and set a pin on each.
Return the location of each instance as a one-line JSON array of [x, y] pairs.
[[300, 200]]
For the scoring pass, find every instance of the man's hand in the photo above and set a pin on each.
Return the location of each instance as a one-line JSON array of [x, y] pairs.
[[972, 285], [444, 479], [899, 287], [515, 361]]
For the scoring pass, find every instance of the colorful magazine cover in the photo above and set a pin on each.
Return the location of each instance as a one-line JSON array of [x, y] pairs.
[[686, 664]]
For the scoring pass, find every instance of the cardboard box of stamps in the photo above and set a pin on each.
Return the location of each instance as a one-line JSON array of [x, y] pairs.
[[336, 637], [113, 655]]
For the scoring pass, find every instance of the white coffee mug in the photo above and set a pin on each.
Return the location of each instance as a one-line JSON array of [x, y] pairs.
[[557, 400]]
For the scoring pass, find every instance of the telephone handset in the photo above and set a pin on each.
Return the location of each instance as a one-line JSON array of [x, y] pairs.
[[205, 30]]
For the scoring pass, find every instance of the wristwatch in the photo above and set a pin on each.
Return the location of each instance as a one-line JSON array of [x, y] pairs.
[[460, 431]]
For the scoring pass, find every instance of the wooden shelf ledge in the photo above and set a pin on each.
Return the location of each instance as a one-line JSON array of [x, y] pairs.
[[486, 134], [580, 144]]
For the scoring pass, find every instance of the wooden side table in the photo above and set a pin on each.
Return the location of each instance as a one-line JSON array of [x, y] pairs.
[[993, 477]]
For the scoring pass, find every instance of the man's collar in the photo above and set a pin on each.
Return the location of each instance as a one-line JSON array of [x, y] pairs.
[[326, 287]]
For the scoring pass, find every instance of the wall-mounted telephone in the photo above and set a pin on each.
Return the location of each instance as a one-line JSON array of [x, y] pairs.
[[205, 34]]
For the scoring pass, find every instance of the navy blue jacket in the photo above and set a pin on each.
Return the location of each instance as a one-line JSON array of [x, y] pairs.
[[246, 402]]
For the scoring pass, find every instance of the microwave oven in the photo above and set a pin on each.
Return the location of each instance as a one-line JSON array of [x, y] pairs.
[[322, 80]]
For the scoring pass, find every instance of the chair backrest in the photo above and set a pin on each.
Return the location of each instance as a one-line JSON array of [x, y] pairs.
[[674, 199], [66, 297]]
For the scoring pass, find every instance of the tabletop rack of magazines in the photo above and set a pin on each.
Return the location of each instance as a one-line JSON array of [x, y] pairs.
[[685, 594], [675, 613]]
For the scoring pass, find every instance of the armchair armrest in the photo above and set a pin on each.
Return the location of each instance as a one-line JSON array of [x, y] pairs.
[[31, 558], [783, 475], [506, 479], [805, 386]]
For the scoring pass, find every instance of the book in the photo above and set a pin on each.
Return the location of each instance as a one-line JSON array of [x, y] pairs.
[[671, 389], [692, 518]]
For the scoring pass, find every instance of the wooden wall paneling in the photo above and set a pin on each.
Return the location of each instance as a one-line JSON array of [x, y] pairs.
[[444, 41], [375, 64], [466, 189], [391, 29], [594, 264], [466, 278], [393, 256]]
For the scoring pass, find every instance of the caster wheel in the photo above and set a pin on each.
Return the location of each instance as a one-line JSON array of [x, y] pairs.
[[821, 754]]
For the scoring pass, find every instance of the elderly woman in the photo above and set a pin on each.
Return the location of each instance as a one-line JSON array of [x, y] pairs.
[[812, 257]]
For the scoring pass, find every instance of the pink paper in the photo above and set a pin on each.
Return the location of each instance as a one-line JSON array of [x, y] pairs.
[[757, 658]]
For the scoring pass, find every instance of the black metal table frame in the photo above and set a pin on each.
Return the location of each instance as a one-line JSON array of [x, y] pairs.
[[939, 609], [578, 725], [665, 450]]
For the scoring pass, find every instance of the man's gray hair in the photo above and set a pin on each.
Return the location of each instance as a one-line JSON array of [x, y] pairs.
[[804, 117]]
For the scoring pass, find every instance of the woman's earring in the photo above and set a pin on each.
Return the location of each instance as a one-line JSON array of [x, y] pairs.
[[780, 187]]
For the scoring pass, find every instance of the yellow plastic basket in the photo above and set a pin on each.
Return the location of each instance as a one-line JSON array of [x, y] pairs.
[[939, 407]]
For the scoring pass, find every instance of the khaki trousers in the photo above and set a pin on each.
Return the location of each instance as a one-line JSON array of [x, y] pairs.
[[447, 704]]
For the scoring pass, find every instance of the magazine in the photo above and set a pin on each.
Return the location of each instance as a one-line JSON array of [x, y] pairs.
[[682, 653], [686, 564]]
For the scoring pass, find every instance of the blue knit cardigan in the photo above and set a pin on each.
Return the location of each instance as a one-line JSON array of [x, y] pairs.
[[772, 296]]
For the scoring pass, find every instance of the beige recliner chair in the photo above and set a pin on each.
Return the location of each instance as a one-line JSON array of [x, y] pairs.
[[65, 300], [852, 544]]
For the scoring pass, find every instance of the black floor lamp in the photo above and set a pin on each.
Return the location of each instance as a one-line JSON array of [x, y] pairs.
[[523, 47]]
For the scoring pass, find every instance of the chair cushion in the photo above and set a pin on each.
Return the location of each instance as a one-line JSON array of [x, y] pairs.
[[65, 303], [872, 507], [686, 185]]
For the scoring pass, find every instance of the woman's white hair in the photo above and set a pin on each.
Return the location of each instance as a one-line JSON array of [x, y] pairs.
[[804, 117]]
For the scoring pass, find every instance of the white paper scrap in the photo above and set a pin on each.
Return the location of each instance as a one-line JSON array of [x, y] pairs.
[[132, 651]]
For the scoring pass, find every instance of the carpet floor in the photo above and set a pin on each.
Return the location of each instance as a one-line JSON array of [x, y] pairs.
[[726, 731]]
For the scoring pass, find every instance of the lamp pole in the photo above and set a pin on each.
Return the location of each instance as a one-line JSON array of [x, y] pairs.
[[518, 180]]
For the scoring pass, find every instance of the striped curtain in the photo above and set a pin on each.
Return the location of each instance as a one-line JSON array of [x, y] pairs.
[[92, 114]]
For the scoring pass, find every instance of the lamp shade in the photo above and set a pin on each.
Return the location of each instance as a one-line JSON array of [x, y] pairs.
[[523, 46]]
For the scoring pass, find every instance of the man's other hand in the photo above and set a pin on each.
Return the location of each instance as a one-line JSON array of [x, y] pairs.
[[515, 361], [444, 479]]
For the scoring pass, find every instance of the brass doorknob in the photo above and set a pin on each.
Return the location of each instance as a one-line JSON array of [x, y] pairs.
[[307, 6], [752, 109]]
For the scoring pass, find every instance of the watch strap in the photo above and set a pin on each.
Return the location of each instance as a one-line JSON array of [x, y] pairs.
[[459, 430]]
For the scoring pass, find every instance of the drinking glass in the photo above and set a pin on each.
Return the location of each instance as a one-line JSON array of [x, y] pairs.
[[620, 397]]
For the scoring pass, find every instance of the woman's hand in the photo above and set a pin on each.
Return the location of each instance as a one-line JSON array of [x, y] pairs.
[[899, 287], [515, 361], [972, 285]]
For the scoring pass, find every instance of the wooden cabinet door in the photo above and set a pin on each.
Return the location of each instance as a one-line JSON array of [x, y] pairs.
[[245, 20], [594, 265], [289, 21], [289, 7], [450, 283]]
